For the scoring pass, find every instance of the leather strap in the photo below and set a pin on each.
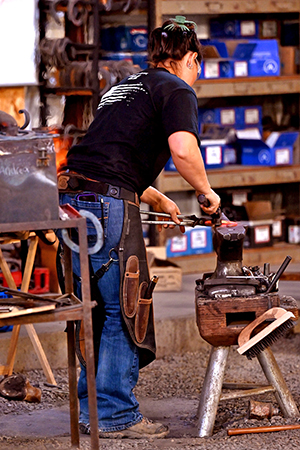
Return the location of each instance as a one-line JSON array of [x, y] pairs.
[[71, 182]]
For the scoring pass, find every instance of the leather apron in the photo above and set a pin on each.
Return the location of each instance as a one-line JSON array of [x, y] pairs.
[[134, 274]]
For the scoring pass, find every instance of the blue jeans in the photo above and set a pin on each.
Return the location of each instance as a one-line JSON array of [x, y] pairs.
[[118, 366]]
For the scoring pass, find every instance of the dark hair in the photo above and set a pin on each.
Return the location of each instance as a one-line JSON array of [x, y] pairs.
[[173, 41]]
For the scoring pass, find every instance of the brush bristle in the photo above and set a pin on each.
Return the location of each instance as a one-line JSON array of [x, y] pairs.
[[269, 339]]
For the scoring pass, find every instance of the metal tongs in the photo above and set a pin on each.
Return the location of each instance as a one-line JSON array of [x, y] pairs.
[[186, 221], [217, 219]]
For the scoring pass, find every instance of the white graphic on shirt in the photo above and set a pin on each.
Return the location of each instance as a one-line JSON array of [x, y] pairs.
[[121, 92], [134, 76]]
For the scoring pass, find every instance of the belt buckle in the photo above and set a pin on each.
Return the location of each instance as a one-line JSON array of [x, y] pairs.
[[113, 191], [62, 181]]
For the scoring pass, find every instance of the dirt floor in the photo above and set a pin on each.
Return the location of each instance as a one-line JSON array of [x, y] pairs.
[[168, 391]]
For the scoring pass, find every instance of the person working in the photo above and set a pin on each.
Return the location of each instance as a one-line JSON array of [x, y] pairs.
[[139, 124]]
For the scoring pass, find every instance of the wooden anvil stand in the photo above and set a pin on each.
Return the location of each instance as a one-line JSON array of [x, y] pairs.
[[220, 319]]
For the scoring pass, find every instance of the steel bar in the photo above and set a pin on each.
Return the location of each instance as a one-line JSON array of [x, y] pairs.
[[247, 393], [184, 223], [211, 390], [273, 374], [235, 431]]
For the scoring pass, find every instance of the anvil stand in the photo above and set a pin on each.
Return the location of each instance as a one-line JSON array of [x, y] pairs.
[[213, 312]]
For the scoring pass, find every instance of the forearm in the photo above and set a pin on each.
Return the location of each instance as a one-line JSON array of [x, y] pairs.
[[191, 168], [188, 160]]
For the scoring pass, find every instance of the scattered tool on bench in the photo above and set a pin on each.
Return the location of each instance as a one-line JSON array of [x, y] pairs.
[[20, 296]]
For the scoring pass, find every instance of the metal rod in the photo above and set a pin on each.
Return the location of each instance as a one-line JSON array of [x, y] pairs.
[[154, 213], [166, 222], [235, 431], [279, 273], [247, 393], [211, 390], [273, 374]]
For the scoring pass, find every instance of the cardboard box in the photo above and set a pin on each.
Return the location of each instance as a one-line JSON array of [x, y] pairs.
[[194, 241], [288, 57], [169, 274], [276, 150], [260, 210]]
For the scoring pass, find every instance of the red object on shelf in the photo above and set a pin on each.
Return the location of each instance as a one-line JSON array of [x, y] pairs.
[[39, 283]]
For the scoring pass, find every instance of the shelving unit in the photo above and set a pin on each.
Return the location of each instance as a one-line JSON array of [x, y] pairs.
[[233, 87], [234, 176], [192, 7], [88, 92], [262, 179]]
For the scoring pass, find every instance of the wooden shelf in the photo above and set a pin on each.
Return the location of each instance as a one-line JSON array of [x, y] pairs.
[[233, 176], [252, 257], [233, 87], [186, 7]]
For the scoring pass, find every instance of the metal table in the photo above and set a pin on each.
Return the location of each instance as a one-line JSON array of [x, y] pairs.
[[81, 311]]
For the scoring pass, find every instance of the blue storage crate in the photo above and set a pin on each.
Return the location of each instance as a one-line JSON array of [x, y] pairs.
[[138, 38], [213, 155], [194, 241], [261, 57], [6, 327]]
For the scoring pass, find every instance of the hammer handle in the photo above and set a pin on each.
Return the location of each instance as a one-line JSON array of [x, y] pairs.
[[235, 431]]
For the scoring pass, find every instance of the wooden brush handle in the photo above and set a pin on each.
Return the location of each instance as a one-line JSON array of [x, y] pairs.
[[273, 313], [235, 431]]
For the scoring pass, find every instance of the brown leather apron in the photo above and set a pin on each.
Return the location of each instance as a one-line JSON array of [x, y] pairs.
[[137, 311]]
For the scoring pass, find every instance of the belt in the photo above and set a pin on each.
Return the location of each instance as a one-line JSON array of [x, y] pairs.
[[71, 182]]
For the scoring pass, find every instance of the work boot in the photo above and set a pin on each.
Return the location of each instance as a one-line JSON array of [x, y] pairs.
[[142, 430]]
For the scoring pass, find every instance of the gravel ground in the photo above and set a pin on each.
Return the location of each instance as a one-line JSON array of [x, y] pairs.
[[174, 383]]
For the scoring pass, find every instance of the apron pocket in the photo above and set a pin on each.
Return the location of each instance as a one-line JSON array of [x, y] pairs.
[[142, 314], [131, 286]]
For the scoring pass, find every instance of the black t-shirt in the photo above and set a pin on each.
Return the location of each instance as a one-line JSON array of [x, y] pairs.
[[127, 143]]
